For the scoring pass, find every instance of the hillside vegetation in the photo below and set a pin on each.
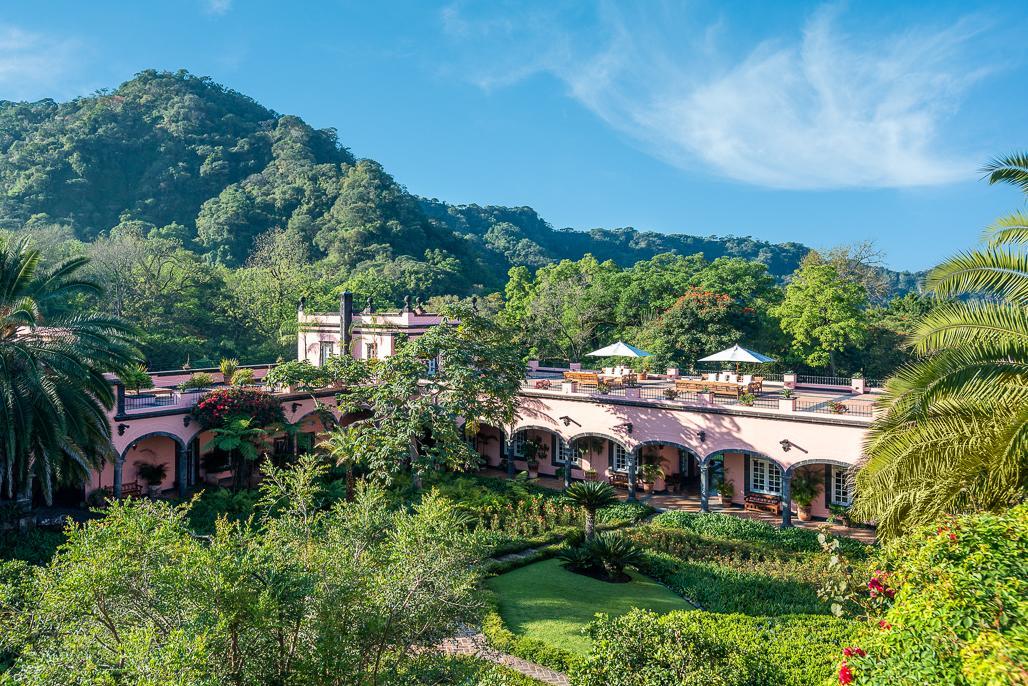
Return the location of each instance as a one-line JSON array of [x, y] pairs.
[[207, 215]]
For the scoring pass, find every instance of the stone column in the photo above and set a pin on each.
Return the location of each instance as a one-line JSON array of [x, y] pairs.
[[787, 499], [508, 449], [180, 469], [704, 486], [633, 462], [119, 461], [567, 471]]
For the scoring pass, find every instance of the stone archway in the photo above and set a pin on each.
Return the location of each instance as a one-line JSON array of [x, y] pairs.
[[152, 454]]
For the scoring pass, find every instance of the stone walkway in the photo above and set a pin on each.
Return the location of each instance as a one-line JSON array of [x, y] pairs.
[[474, 645]]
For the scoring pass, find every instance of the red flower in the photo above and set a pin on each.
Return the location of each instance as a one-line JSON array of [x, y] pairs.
[[884, 625], [850, 652], [845, 673]]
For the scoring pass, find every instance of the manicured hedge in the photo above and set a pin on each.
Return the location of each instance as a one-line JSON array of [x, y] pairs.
[[719, 587], [727, 527], [700, 648]]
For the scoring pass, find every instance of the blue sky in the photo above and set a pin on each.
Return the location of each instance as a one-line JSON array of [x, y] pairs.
[[813, 122]]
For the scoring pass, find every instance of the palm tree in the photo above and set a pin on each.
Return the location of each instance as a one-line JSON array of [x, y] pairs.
[[240, 438], [591, 496], [954, 434], [54, 428], [341, 446]]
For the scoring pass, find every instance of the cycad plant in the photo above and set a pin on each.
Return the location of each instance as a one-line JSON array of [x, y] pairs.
[[591, 496], [53, 427], [954, 434]]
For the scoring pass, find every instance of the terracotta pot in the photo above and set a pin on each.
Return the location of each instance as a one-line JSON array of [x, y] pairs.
[[533, 472], [803, 513]]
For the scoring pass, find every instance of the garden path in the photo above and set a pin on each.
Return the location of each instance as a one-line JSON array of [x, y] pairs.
[[474, 644]]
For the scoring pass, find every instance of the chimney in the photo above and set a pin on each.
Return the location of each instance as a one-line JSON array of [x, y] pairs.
[[345, 320]]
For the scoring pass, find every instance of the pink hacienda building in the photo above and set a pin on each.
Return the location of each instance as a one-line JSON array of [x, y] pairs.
[[699, 439]]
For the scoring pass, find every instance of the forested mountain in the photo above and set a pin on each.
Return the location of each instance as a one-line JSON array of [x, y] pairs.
[[207, 215], [176, 149]]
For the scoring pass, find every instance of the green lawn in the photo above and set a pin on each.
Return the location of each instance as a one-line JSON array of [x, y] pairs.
[[547, 602]]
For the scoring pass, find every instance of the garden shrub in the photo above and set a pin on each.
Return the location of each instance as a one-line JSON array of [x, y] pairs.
[[643, 648], [624, 513], [958, 612], [211, 505], [719, 587], [35, 546], [728, 527], [217, 408]]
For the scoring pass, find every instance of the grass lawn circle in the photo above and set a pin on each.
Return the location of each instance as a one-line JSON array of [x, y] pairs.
[[550, 603]]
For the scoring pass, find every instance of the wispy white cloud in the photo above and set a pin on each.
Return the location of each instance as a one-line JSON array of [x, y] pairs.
[[218, 6], [33, 65], [820, 109]]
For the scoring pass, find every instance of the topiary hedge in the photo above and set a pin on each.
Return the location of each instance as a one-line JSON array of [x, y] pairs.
[[697, 648]]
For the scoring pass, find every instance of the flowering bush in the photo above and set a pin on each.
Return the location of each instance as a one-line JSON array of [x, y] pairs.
[[952, 607], [835, 407], [541, 384], [218, 407]]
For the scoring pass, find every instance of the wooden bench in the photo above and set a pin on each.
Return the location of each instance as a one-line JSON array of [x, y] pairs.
[[618, 479], [759, 502], [590, 379], [128, 488]]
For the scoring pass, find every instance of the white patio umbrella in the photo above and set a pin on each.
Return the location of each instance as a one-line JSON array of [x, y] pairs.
[[737, 354], [619, 349]]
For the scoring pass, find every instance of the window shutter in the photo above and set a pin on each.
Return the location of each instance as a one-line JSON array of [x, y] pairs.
[[746, 474], [553, 449], [610, 455]]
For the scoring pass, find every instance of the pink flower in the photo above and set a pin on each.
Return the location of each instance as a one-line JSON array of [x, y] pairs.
[[845, 673]]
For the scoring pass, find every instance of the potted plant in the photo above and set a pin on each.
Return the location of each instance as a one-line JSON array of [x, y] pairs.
[[857, 383], [649, 474], [228, 368], [836, 407], [726, 490], [591, 475], [153, 475], [136, 378], [197, 382], [747, 399], [298, 375], [806, 484], [786, 393], [670, 394], [243, 377], [602, 388], [533, 450], [839, 514]]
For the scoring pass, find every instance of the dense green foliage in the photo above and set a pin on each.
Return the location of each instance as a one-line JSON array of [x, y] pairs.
[[209, 216], [735, 565], [311, 595], [954, 434], [696, 648], [959, 613]]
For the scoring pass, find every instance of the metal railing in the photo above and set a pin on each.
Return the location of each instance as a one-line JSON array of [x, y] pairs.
[[836, 407], [823, 380]]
